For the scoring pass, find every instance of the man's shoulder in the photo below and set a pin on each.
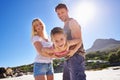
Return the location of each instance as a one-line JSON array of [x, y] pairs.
[[72, 20]]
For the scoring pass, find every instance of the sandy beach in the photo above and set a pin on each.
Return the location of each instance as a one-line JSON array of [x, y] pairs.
[[105, 74]]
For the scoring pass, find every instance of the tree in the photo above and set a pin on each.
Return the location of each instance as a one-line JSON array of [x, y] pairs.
[[118, 54], [113, 58]]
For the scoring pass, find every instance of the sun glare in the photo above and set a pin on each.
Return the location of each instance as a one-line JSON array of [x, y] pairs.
[[83, 12]]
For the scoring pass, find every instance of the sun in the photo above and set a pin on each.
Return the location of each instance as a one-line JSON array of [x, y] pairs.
[[83, 12]]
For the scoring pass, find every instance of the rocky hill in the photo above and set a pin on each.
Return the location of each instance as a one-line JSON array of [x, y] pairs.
[[104, 45]]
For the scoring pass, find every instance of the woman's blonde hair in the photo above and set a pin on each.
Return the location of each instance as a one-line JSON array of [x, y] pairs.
[[34, 32]]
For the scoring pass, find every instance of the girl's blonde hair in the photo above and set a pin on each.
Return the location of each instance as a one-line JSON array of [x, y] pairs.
[[34, 32]]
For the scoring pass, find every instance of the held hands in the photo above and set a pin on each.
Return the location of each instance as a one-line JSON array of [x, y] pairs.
[[69, 54], [60, 56]]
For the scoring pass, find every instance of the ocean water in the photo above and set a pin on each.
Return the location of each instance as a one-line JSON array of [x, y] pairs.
[[106, 74]]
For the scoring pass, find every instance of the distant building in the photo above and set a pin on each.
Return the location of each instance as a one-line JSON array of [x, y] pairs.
[[96, 61]]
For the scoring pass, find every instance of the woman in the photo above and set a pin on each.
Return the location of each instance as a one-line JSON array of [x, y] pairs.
[[43, 69]]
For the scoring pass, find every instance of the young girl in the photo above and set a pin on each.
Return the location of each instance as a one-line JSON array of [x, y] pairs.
[[43, 69], [61, 45]]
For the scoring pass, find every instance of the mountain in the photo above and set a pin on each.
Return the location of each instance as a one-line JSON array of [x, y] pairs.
[[104, 44]]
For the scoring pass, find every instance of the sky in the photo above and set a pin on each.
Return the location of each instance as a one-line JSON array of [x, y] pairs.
[[99, 19]]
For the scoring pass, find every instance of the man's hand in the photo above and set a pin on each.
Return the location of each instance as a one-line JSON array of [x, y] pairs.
[[83, 54], [70, 54]]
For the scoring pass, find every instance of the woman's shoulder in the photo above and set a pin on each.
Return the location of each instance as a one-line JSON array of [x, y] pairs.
[[33, 37], [36, 38]]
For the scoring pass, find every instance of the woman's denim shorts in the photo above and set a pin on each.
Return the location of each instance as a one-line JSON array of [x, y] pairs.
[[43, 69]]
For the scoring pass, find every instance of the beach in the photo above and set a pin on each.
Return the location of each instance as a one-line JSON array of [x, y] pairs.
[[105, 74]]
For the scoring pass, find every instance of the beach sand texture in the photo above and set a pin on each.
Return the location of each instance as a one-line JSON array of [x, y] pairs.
[[106, 74]]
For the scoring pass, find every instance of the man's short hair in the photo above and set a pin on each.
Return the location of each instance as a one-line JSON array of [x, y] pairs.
[[61, 5]]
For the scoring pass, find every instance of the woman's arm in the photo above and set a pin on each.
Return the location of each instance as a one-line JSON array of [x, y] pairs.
[[39, 48], [48, 51]]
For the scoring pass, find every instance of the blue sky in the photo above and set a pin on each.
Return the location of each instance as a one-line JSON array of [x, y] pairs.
[[98, 19]]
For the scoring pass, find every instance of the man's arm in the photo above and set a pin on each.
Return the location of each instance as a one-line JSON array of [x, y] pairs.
[[73, 42], [75, 32], [73, 51]]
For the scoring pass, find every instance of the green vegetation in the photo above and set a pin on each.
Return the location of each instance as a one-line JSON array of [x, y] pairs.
[[103, 59], [58, 65], [23, 68], [114, 57]]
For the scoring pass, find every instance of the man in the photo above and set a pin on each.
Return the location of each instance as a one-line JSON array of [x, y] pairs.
[[74, 66]]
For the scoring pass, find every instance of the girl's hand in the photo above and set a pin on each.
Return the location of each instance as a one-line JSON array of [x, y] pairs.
[[64, 54], [60, 56], [53, 56]]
